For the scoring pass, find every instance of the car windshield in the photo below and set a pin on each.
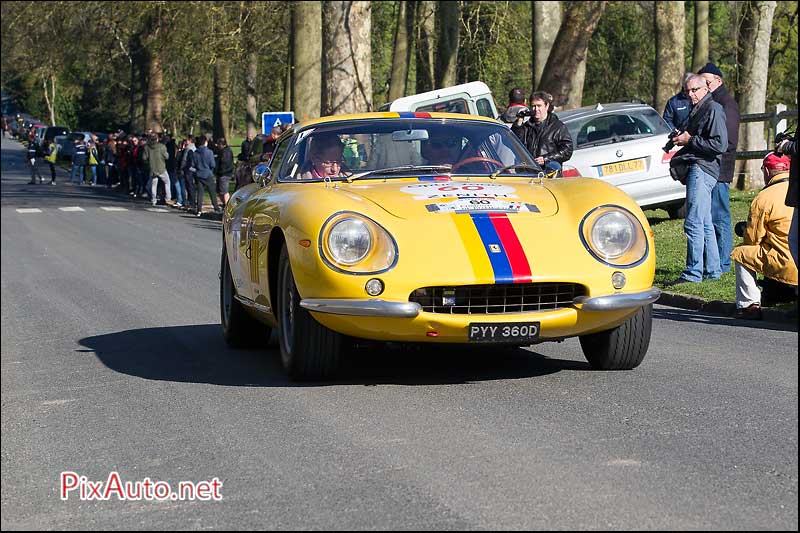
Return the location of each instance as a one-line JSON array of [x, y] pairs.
[[382, 148], [614, 127]]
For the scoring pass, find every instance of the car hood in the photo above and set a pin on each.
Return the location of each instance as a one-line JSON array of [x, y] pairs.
[[406, 198]]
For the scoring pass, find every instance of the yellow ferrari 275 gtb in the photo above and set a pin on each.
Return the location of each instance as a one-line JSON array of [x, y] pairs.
[[430, 228]]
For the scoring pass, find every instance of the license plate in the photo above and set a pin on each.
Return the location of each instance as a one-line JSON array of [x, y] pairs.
[[525, 332], [623, 166]]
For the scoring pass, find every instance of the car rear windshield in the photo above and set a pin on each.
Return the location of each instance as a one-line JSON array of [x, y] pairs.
[[611, 127]]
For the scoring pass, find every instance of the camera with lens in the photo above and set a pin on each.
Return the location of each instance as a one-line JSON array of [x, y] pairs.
[[671, 140], [524, 113], [739, 228], [782, 136]]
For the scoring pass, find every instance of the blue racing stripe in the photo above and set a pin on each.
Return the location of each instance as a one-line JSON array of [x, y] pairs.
[[499, 259], [406, 114]]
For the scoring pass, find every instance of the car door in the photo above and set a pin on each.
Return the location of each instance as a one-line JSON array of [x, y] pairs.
[[259, 218]]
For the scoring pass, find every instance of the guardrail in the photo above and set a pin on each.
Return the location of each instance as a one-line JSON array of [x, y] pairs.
[[777, 122]]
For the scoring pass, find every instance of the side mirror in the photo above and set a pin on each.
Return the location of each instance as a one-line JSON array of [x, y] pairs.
[[261, 174]]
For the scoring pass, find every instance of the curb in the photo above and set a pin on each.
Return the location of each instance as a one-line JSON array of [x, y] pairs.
[[723, 309]]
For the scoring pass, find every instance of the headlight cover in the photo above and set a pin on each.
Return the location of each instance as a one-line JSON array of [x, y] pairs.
[[614, 236], [355, 244]]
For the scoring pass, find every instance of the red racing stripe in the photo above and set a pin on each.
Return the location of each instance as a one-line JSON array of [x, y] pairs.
[[520, 268]]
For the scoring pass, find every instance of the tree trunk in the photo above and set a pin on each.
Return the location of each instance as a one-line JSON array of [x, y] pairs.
[[307, 59], [222, 101], [754, 54], [544, 28], [287, 78], [700, 45], [397, 84], [575, 95], [426, 28], [252, 118], [155, 93], [570, 48], [346, 63], [448, 19], [139, 83], [670, 36], [47, 98]]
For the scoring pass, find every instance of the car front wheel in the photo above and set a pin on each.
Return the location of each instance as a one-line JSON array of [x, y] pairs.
[[309, 350], [623, 347], [239, 328]]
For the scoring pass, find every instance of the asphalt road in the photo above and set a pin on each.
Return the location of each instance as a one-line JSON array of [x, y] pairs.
[[113, 361]]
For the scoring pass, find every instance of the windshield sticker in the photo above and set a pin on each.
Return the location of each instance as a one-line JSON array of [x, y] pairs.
[[481, 205], [455, 189]]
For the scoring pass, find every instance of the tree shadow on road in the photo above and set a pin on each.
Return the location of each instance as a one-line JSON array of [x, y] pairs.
[[699, 317], [198, 354]]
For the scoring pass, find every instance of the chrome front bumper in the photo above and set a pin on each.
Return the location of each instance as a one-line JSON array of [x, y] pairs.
[[616, 302], [383, 308]]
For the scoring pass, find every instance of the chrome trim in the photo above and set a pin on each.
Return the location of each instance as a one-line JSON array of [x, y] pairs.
[[380, 308], [615, 302], [250, 303]]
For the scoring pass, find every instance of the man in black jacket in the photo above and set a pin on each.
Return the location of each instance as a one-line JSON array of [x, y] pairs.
[[545, 137], [720, 204], [789, 147], [703, 143], [224, 169]]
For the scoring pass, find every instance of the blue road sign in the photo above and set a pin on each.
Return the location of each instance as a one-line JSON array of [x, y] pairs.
[[270, 120]]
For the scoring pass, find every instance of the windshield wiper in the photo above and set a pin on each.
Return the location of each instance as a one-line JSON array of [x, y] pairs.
[[396, 170], [514, 167]]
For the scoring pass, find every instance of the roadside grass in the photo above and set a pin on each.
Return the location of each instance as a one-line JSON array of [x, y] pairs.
[[671, 252]]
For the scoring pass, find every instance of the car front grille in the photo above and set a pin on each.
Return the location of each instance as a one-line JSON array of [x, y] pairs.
[[497, 299]]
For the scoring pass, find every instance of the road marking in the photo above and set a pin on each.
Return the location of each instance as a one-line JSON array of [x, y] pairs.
[[114, 208], [29, 210], [156, 210], [70, 209]]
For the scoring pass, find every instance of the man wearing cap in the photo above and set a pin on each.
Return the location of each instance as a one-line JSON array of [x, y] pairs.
[[765, 246], [720, 203]]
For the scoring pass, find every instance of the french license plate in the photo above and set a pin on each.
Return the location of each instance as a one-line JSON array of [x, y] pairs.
[[623, 166], [500, 332]]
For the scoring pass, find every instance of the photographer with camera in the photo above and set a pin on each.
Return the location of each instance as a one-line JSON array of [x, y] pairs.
[[697, 165], [765, 246], [516, 107], [786, 143], [546, 138]]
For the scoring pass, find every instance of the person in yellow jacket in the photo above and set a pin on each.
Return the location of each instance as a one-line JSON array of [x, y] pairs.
[[765, 248]]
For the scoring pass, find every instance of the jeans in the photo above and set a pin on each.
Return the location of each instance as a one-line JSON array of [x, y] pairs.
[[702, 254], [77, 169], [178, 191], [164, 176], [721, 217], [552, 165], [93, 168], [208, 183]]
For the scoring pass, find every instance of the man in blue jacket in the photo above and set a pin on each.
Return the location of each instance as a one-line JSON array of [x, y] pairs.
[[677, 110], [204, 165], [703, 143], [79, 159]]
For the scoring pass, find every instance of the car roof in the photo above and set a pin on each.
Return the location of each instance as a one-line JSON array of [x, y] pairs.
[[473, 88], [599, 109], [392, 114]]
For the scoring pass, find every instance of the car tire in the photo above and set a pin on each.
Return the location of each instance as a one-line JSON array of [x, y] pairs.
[[621, 348], [676, 211], [309, 350], [239, 328]]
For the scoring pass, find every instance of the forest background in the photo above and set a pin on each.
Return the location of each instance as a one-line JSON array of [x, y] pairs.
[[191, 67]]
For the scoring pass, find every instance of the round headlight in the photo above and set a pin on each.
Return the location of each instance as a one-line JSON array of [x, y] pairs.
[[349, 241], [612, 234]]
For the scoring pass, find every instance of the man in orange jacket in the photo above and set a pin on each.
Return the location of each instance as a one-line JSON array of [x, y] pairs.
[[765, 249]]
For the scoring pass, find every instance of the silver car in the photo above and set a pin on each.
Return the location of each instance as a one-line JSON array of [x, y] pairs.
[[622, 144]]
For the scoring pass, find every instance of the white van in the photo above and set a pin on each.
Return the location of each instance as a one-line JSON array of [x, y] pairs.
[[472, 98]]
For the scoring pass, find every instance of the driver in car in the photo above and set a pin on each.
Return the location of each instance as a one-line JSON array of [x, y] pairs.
[[324, 158], [441, 149]]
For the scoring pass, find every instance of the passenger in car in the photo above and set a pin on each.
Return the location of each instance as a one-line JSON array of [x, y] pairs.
[[441, 148], [323, 158]]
